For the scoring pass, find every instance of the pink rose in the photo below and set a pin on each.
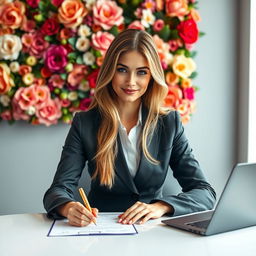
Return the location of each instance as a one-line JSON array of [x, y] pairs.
[[34, 44], [25, 97], [6, 115], [158, 25], [175, 44], [33, 3], [56, 81], [107, 14], [56, 58], [136, 25], [50, 113], [42, 95], [176, 7], [76, 76], [101, 41], [18, 113], [189, 93]]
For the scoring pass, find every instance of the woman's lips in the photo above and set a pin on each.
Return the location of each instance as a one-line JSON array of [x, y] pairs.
[[129, 91]]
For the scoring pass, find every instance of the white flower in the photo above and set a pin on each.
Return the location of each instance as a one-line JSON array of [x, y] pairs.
[[14, 66], [5, 100], [10, 47], [88, 58], [72, 96], [82, 44], [147, 18], [84, 31], [89, 4], [84, 86], [31, 110], [183, 66]]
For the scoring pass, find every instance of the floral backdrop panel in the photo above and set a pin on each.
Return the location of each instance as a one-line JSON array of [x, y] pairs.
[[51, 52]]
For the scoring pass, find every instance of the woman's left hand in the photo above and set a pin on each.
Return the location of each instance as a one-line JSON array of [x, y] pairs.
[[144, 212]]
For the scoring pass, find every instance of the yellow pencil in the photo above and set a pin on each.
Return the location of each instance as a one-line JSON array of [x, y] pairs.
[[85, 200]]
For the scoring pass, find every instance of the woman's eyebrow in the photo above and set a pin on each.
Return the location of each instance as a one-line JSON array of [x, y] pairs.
[[120, 64]]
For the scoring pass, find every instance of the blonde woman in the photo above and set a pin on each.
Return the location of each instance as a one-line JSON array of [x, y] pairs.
[[129, 141]]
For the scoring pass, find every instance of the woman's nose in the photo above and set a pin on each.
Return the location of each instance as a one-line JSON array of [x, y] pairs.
[[132, 79]]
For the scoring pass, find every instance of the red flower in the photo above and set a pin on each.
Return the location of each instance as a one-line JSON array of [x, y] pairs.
[[92, 78], [33, 3], [84, 104], [50, 27], [188, 31]]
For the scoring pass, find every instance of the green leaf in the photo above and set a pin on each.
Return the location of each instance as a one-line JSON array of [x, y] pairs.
[[193, 54], [63, 76], [114, 30], [193, 75], [79, 60], [201, 34], [72, 41], [165, 33], [72, 56]]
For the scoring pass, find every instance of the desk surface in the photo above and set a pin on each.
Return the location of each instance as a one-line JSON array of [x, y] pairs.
[[26, 234]]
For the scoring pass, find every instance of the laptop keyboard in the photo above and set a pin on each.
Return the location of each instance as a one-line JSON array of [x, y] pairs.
[[199, 224]]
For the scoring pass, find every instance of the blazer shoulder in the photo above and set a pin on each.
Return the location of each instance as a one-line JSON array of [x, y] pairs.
[[172, 119]]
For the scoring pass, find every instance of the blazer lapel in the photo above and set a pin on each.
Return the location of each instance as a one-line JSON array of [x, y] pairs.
[[122, 169]]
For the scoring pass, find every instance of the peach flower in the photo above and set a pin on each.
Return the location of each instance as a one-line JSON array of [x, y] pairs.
[[76, 76], [195, 15], [71, 13], [174, 96], [107, 14], [176, 7], [25, 97], [183, 66], [12, 14], [10, 47], [185, 110], [6, 81], [136, 25], [50, 113], [171, 78], [163, 50], [101, 41]]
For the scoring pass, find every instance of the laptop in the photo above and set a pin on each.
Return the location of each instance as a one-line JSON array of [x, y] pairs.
[[235, 209]]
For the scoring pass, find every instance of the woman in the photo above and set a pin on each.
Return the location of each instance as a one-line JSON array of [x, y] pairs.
[[128, 140]]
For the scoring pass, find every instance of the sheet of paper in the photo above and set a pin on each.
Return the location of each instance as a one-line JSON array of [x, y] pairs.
[[106, 225]]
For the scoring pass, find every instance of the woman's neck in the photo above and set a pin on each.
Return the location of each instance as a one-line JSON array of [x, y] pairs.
[[129, 114]]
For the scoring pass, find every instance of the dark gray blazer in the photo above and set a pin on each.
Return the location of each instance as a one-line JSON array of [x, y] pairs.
[[168, 145]]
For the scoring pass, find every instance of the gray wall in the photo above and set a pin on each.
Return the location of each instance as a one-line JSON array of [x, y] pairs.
[[29, 155]]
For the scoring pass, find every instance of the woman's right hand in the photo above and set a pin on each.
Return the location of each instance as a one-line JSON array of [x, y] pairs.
[[77, 214]]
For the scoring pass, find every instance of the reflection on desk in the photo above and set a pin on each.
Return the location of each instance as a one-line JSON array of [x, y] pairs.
[[26, 234]]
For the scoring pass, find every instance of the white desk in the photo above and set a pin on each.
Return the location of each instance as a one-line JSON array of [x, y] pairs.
[[26, 234]]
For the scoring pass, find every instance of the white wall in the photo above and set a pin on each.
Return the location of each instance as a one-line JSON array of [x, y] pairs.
[[29, 155]]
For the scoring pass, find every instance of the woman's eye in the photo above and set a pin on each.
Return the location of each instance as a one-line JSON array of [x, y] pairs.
[[122, 70], [142, 72]]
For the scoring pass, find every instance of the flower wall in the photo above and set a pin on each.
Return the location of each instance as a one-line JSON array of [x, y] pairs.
[[51, 52]]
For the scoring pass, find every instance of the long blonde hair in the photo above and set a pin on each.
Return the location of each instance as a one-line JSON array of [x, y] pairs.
[[105, 100]]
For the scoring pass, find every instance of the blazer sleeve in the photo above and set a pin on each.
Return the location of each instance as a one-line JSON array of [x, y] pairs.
[[68, 172], [197, 194]]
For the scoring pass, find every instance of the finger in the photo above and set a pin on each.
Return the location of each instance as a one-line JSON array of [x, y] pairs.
[[129, 210], [139, 215], [95, 212], [78, 223], [146, 218], [135, 214]]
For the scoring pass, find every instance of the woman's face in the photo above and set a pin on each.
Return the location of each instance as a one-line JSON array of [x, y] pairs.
[[131, 78]]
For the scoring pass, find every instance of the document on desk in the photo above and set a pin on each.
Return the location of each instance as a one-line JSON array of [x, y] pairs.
[[106, 225]]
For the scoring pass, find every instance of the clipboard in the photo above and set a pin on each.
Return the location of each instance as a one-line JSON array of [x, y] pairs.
[[107, 224]]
